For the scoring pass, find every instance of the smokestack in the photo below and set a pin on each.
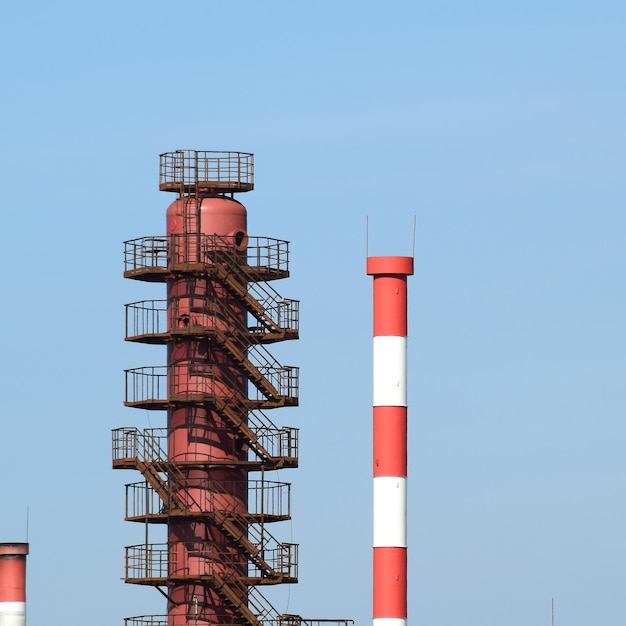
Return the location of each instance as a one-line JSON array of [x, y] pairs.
[[390, 435], [13, 584]]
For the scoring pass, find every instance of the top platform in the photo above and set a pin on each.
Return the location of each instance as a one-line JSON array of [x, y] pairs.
[[390, 265], [193, 171], [13, 549]]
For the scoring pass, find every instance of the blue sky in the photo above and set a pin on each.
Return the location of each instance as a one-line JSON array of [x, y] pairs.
[[500, 126]]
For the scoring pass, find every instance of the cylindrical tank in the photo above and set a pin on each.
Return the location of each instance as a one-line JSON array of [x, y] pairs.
[[199, 365], [13, 584]]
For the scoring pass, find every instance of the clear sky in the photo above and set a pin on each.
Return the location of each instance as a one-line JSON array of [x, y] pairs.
[[499, 125]]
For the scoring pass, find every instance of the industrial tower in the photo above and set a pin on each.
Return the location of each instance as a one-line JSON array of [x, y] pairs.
[[220, 313], [390, 437]]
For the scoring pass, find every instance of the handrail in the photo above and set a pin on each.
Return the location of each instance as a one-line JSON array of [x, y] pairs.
[[146, 253], [296, 620], [271, 310], [186, 314], [269, 499], [181, 559], [154, 252], [148, 386], [146, 317], [206, 168], [163, 383], [268, 555], [280, 620], [265, 497]]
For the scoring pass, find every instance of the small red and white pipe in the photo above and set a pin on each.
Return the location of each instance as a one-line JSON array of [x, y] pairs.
[[13, 584], [390, 437]]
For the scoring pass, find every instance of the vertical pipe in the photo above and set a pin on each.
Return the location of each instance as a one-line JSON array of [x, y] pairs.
[[13, 584], [390, 434]]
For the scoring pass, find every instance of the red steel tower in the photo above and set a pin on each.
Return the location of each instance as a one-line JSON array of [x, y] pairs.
[[205, 472], [390, 437]]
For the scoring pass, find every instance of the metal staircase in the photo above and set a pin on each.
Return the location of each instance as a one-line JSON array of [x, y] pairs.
[[144, 453], [155, 259]]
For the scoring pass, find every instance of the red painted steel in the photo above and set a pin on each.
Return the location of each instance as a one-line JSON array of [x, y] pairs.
[[390, 297], [13, 572], [390, 326], [390, 589], [390, 294], [196, 432], [390, 433], [390, 265]]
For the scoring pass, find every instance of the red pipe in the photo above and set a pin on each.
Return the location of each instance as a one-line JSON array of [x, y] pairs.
[[390, 438], [13, 584]]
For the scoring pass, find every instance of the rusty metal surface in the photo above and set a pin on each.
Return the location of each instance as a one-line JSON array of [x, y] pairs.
[[271, 562], [158, 387], [276, 620], [266, 259], [189, 171], [147, 320]]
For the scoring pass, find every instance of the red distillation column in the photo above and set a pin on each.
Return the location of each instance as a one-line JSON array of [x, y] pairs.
[[198, 433]]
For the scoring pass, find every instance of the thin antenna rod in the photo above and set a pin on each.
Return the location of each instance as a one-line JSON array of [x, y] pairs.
[[414, 228], [367, 235], [27, 521]]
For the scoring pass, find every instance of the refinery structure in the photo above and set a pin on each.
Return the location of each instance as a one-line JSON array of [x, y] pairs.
[[207, 498], [207, 471]]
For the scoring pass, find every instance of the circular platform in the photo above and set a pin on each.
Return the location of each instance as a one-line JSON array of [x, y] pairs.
[[191, 171]]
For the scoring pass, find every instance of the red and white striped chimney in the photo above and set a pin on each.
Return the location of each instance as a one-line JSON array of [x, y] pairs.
[[390, 435], [13, 584]]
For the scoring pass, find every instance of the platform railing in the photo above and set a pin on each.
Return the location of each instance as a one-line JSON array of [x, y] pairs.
[[173, 560], [142, 500], [146, 384], [280, 620], [188, 314], [267, 500], [143, 445], [276, 442], [125, 443], [212, 316], [255, 256], [280, 442], [193, 167], [267, 252], [157, 255], [285, 379], [146, 253], [148, 319], [271, 441], [151, 620], [265, 497], [296, 620], [158, 252], [186, 381]]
